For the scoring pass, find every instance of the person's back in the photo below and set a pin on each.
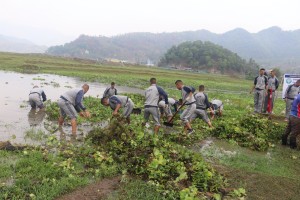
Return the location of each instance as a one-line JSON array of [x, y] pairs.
[[71, 95], [218, 103], [152, 96], [115, 99], [201, 101], [36, 96]]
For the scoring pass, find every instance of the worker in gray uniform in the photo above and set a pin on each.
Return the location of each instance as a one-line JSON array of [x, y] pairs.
[[110, 91], [202, 104], [290, 93], [167, 110], [152, 95], [116, 102], [217, 107], [70, 103], [36, 97], [188, 101], [260, 84], [273, 84]]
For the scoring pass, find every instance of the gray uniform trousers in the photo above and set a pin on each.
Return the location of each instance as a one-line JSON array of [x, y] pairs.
[[258, 100], [288, 107]]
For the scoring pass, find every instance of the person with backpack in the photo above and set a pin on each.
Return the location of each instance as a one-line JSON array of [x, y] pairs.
[[152, 95], [118, 101], [260, 84], [290, 93], [202, 104], [110, 91], [293, 127], [273, 84], [187, 93], [36, 97]]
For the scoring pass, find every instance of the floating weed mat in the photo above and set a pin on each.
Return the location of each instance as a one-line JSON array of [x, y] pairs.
[[253, 131], [173, 169]]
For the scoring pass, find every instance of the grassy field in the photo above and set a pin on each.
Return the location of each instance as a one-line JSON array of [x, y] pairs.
[[265, 174]]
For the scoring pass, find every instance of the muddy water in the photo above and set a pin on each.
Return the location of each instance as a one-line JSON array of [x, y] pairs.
[[16, 116]]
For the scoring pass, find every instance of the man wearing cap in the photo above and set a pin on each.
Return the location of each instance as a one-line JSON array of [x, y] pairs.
[[260, 84], [273, 84], [36, 97], [293, 127], [110, 91], [70, 103], [290, 93], [118, 101]]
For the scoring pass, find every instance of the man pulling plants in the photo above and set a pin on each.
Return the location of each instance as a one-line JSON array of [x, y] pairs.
[[293, 127], [166, 110], [70, 103], [260, 84], [217, 106], [189, 101], [291, 92], [202, 104], [36, 97], [118, 101], [152, 95], [110, 91]]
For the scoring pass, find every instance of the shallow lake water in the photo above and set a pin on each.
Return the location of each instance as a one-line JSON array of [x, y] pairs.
[[16, 116]]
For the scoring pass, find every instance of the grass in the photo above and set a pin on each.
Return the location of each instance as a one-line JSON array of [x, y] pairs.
[[136, 189]]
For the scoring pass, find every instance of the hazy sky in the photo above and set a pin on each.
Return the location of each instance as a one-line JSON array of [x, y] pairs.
[[56, 21]]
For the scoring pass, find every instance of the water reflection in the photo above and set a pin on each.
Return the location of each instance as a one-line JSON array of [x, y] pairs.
[[36, 117]]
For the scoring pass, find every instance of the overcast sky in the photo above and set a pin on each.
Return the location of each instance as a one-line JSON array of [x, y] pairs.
[[56, 21]]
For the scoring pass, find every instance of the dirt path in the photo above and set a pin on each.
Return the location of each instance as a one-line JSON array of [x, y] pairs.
[[94, 191]]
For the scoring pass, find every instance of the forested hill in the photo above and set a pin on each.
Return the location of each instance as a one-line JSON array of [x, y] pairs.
[[206, 56], [270, 46]]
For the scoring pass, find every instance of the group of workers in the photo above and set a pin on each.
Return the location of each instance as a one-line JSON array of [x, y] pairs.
[[264, 95], [158, 104]]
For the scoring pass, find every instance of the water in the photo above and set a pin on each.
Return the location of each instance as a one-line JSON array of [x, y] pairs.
[[16, 116]]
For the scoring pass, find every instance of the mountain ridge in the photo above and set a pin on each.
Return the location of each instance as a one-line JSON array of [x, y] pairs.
[[271, 46]]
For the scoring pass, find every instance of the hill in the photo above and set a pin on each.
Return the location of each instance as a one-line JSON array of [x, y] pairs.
[[271, 46], [207, 56], [17, 45]]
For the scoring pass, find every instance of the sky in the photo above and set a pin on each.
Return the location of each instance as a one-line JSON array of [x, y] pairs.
[[53, 22]]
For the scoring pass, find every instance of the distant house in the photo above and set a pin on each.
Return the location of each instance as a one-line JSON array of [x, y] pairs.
[[149, 63]]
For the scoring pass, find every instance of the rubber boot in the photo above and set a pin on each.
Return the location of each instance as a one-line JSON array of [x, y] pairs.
[[293, 143], [284, 139]]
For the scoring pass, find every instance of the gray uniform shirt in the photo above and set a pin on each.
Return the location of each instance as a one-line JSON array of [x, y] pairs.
[[152, 96], [260, 82], [71, 95], [185, 92], [38, 92], [201, 101], [118, 99], [110, 92], [273, 83], [292, 91]]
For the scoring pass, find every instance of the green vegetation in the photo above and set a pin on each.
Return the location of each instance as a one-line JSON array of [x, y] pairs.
[[167, 165], [207, 56]]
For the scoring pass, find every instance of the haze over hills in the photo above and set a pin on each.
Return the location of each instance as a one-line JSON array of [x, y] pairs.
[[12, 44], [272, 46]]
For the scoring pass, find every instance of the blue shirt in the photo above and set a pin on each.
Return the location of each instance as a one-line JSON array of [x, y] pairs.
[[295, 111]]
